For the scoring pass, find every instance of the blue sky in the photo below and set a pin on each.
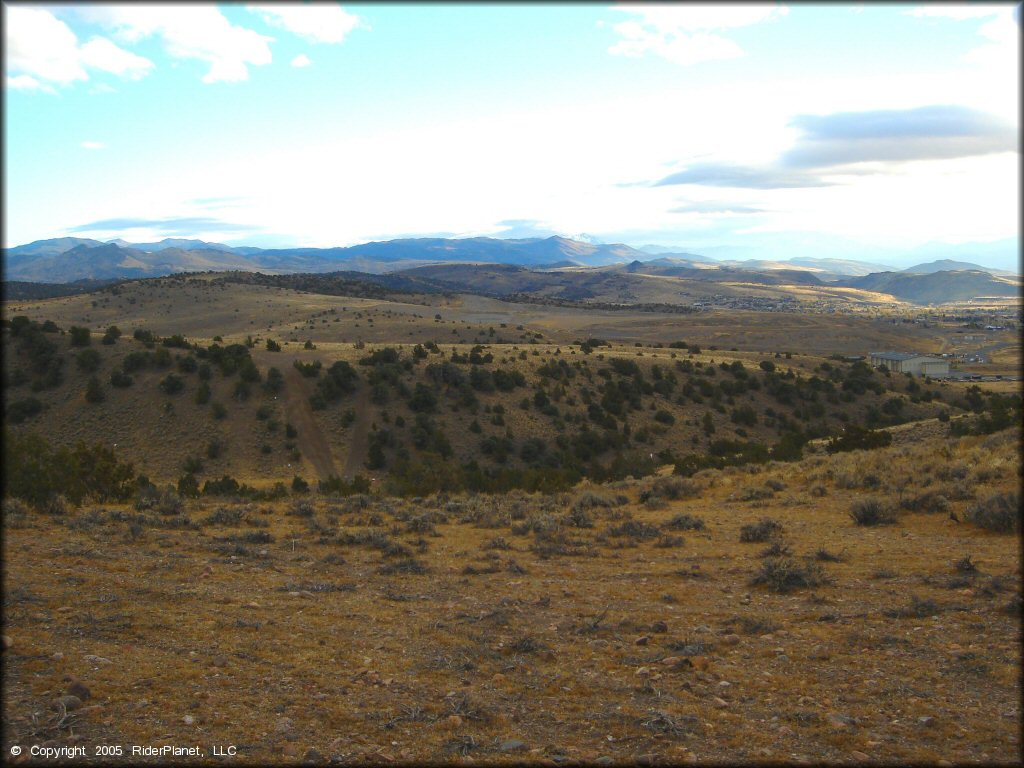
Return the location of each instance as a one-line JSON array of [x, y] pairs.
[[826, 130]]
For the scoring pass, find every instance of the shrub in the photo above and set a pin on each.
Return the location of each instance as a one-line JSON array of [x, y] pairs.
[[172, 384], [80, 337], [783, 574], [856, 438], [636, 530], [170, 503], [88, 360], [299, 485], [120, 379], [673, 488], [94, 391], [760, 531], [35, 472], [929, 502], [273, 346], [871, 512], [685, 522], [1000, 513], [589, 500], [406, 566], [20, 410]]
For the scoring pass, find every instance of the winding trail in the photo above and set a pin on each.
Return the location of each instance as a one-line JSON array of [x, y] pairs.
[[358, 443], [311, 441]]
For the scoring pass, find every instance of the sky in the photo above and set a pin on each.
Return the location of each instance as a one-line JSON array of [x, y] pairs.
[[874, 131]]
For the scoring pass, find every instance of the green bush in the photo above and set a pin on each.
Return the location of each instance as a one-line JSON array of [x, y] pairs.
[[855, 438], [88, 360], [80, 337], [172, 384], [35, 472], [20, 410], [94, 391]]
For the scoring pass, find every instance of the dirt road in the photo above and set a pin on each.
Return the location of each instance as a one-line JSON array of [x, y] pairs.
[[311, 441]]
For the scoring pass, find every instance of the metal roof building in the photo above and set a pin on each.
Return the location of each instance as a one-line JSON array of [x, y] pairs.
[[910, 362]]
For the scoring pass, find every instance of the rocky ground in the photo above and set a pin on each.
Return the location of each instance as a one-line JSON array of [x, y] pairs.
[[658, 620]]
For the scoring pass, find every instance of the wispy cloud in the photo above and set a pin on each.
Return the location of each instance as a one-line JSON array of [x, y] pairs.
[[897, 135], [302, 60], [836, 144], [318, 23], [93, 145], [185, 225], [708, 207], [220, 202], [687, 34], [743, 176]]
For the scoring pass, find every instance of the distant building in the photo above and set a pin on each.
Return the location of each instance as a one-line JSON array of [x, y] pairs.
[[909, 362]]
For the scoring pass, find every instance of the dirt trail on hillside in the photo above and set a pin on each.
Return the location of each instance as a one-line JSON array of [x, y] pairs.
[[311, 441], [358, 443]]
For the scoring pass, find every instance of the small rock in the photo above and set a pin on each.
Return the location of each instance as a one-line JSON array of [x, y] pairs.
[[720, 703], [219, 661], [188, 720], [927, 722], [643, 672], [643, 640], [671, 661], [731, 639], [58, 656], [77, 688], [313, 756], [841, 721], [7, 642], [453, 721], [498, 678], [857, 755], [290, 750], [283, 725], [604, 760], [70, 703], [659, 627], [513, 745], [819, 652]]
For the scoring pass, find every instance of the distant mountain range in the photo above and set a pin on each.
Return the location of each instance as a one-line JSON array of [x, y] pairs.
[[73, 259]]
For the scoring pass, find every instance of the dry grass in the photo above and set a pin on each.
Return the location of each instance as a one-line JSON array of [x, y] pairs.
[[352, 633]]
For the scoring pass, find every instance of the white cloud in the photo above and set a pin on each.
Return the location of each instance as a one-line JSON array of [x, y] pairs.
[[93, 145], [959, 12], [189, 32], [43, 48], [318, 23], [27, 83], [102, 54], [302, 60], [687, 34]]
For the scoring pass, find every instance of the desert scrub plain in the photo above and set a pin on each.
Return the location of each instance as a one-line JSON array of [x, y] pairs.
[[849, 607]]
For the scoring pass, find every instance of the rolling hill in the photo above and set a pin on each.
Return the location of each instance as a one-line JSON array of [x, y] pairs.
[[936, 287]]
